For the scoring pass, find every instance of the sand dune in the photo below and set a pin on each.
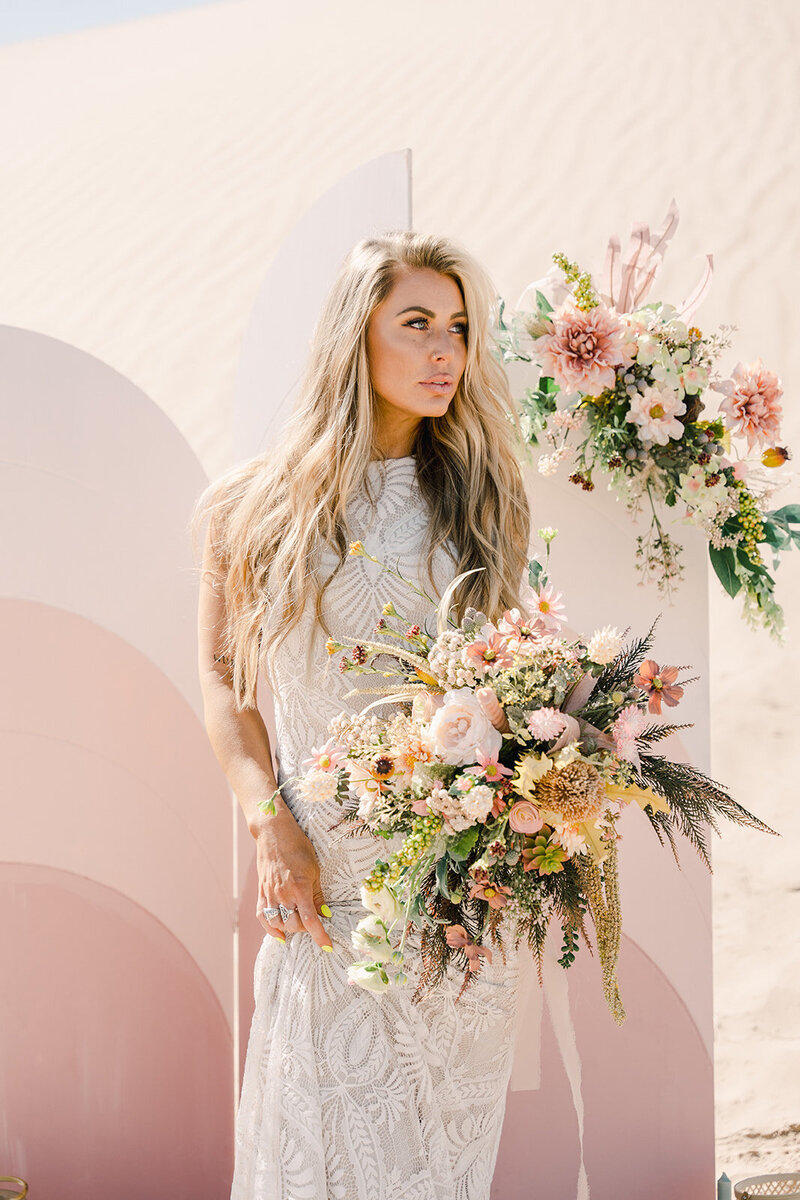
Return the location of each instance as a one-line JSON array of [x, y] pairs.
[[150, 170]]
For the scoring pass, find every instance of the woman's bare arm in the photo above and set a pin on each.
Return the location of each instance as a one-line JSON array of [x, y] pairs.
[[287, 865]]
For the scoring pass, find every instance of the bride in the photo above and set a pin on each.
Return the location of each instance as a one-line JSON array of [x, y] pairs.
[[401, 440]]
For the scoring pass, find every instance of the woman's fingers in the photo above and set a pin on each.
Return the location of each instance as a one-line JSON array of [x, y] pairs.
[[303, 919], [310, 918]]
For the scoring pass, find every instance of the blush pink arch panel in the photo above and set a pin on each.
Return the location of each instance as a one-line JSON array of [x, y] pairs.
[[116, 1042]]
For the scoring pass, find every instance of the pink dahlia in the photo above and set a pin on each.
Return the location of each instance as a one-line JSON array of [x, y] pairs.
[[627, 727], [584, 349], [751, 402], [546, 723]]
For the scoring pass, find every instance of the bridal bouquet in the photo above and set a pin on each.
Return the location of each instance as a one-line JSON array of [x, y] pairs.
[[500, 779], [627, 387]]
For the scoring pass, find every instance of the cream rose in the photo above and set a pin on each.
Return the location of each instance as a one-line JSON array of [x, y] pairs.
[[383, 904], [368, 976], [460, 729], [370, 941]]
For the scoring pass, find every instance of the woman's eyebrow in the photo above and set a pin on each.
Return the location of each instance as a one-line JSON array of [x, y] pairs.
[[426, 311]]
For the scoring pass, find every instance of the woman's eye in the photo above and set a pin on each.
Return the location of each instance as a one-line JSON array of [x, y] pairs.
[[460, 325]]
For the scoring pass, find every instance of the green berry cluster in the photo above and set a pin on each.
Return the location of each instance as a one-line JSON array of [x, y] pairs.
[[585, 297], [751, 523], [423, 831]]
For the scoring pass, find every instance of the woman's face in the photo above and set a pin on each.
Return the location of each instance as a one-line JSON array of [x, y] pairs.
[[416, 336]]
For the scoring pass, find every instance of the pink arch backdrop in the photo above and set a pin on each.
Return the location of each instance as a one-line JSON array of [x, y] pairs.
[[128, 878]]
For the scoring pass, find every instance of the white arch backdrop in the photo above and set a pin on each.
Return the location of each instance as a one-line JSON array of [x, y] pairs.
[[116, 811]]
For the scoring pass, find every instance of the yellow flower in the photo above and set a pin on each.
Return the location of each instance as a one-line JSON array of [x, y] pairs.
[[356, 548]]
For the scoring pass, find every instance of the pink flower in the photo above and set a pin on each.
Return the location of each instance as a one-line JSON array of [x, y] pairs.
[[460, 729], [519, 627], [425, 705], [660, 683], [523, 817], [489, 651], [656, 411], [327, 758], [491, 768], [495, 895], [546, 607], [625, 730], [546, 723], [751, 402], [457, 938], [584, 349]]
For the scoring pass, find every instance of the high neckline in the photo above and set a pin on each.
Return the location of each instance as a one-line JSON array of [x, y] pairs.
[[404, 458]]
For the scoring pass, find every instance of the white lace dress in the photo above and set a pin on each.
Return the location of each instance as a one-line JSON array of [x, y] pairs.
[[348, 1095]]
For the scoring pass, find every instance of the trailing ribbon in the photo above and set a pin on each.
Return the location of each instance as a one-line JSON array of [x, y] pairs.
[[526, 1072]]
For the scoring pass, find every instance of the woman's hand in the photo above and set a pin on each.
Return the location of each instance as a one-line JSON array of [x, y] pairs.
[[288, 874]]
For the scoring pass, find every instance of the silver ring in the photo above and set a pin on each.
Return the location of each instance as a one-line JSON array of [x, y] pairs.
[[269, 913], [285, 912]]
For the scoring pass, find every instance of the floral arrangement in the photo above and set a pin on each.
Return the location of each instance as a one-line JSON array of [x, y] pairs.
[[625, 387], [499, 781]]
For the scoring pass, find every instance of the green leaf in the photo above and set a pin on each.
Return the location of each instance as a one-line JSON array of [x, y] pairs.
[[461, 845], [774, 536], [723, 562], [441, 877], [535, 569], [790, 513], [542, 303]]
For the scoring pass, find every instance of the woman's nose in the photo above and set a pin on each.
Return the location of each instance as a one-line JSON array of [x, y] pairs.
[[441, 347]]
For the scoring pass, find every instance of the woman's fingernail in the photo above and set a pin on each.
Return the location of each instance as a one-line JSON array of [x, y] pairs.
[[327, 947], [326, 912], [278, 938]]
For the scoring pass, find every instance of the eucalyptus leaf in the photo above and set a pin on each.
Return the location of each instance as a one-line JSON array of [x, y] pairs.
[[723, 562]]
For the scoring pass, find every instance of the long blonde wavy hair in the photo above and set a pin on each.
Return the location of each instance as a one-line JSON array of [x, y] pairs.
[[268, 514]]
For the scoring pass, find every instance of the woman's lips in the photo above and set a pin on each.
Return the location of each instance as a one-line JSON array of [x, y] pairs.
[[438, 387]]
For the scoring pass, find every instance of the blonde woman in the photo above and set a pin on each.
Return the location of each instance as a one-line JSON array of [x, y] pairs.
[[401, 439]]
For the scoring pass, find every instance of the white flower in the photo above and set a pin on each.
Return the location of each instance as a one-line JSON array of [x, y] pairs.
[[370, 939], [697, 496], [656, 411], [449, 808], [366, 805], [318, 786], [369, 976], [383, 903], [460, 729], [569, 838], [477, 802], [604, 645]]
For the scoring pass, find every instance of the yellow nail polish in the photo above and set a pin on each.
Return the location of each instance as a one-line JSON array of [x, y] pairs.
[[326, 912], [327, 947], [278, 938]]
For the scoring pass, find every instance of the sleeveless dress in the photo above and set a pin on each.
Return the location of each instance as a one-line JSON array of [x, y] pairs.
[[349, 1095]]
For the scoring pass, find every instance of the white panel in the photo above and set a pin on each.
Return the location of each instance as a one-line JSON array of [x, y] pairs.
[[374, 198]]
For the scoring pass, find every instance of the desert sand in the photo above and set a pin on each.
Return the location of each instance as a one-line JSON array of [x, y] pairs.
[[151, 169]]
